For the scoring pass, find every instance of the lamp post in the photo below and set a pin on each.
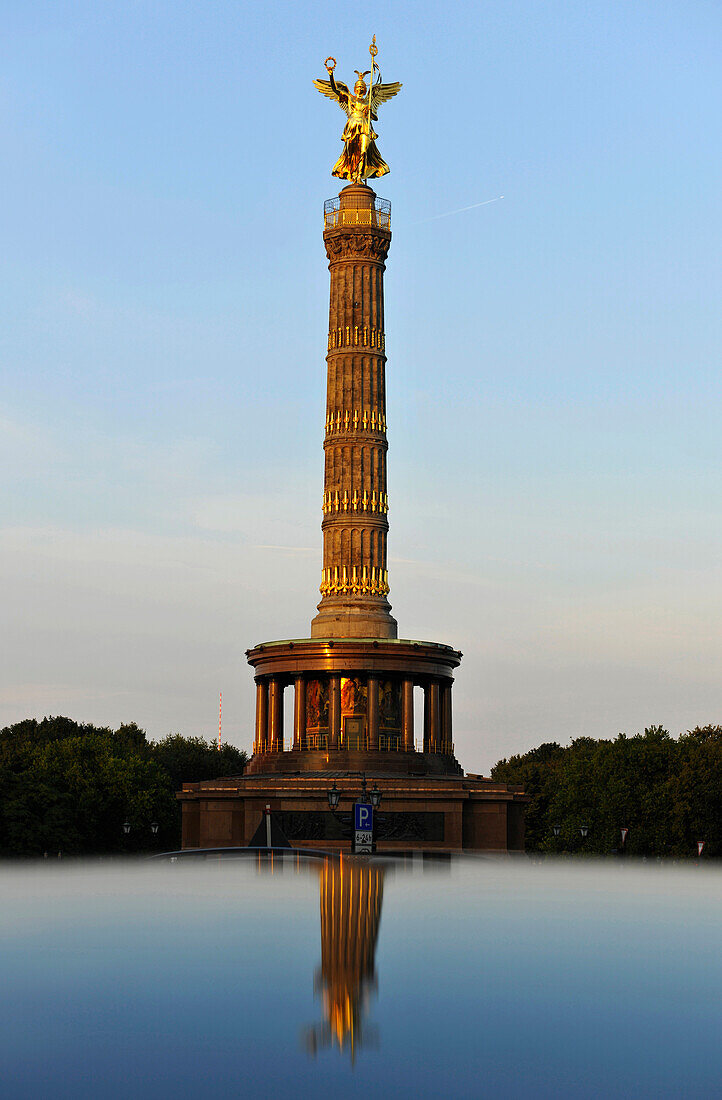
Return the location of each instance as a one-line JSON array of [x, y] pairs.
[[624, 831], [373, 796], [127, 827], [584, 831], [334, 797]]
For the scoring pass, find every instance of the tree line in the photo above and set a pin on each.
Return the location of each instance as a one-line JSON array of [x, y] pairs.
[[70, 787], [667, 791]]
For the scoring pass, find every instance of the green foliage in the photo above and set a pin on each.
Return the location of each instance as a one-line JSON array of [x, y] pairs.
[[69, 787], [191, 758], [667, 792]]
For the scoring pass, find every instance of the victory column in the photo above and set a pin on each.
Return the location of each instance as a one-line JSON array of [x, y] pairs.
[[353, 681]]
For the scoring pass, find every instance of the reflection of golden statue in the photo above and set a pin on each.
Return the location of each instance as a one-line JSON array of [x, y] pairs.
[[351, 896], [360, 159]]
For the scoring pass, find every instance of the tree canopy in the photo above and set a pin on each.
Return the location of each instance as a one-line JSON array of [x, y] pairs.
[[69, 787], [666, 791]]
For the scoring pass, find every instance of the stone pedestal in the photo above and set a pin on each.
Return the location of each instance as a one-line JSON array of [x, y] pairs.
[[433, 812]]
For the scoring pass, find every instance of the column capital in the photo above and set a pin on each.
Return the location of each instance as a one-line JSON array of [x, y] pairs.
[[367, 243]]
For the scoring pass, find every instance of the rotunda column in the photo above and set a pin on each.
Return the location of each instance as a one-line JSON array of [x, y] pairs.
[[275, 714], [447, 736], [431, 716], [261, 716], [372, 712], [334, 712], [407, 715], [299, 713]]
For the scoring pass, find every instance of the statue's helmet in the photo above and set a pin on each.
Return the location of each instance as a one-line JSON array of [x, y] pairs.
[[360, 85]]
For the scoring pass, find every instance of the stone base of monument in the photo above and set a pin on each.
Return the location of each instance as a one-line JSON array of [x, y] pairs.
[[295, 762], [448, 813]]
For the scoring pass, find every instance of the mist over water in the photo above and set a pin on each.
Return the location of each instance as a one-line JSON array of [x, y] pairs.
[[301, 977]]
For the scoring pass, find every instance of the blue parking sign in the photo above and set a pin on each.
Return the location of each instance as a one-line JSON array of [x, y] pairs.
[[363, 817]]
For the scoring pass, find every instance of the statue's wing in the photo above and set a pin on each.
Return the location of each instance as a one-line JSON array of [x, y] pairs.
[[341, 96], [381, 92]]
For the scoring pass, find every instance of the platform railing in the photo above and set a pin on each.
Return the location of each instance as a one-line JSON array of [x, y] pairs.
[[377, 216], [355, 742], [319, 742], [314, 742]]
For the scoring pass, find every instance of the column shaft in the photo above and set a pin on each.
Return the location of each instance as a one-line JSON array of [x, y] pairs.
[[334, 712], [299, 713], [447, 736], [354, 582], [407, 715], [434, 723], [261, 716], [426, 718], [372, 713], [275, 715]]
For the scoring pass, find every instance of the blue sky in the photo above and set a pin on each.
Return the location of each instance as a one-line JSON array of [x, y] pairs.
[[553, 375]]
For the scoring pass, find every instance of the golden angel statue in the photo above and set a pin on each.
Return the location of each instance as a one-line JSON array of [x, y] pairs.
[[360, 159]]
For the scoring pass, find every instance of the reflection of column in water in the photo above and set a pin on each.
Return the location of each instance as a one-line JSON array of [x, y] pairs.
[[351, 897]]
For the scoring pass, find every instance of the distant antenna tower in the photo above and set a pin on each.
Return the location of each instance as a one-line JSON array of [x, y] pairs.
[[220, 712]]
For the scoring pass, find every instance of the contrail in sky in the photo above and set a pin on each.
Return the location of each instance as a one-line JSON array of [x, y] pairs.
[[461, 210]]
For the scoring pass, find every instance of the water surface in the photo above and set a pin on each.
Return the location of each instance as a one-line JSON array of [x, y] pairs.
[[361, 978]]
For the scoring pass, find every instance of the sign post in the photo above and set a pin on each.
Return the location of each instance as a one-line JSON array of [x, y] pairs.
[[363, 827]]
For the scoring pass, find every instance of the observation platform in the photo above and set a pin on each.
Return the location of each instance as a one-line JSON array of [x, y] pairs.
[[357, 210]]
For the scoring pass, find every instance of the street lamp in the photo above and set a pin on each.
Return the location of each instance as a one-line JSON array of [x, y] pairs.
[[584, 830], [373, 796], [557, 830], [154, 827], [347, 820], [126, 827]]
